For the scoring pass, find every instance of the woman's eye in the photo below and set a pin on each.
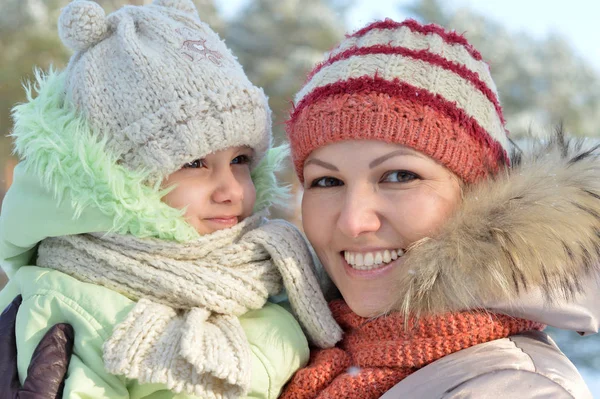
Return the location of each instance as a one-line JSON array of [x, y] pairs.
[[326, 182], [399, 176], [195, 164], [241, 160]]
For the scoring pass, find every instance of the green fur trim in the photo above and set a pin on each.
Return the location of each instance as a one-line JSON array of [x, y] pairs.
[[56, 144], [268, 190]]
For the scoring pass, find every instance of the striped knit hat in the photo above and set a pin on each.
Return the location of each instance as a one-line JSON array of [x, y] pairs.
[[405, 83]]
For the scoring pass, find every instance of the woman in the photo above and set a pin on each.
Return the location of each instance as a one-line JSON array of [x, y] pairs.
[[417, 212]]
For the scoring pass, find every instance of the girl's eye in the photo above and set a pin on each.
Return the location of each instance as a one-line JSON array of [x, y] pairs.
[[399, 176], [326, 182], [195, 164], [241, 160]]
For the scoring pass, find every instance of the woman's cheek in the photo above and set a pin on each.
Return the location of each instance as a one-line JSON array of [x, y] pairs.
[[310, 214], [429, 214], [315, 220]]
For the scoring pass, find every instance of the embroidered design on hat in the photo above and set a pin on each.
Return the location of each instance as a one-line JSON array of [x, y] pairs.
[[194, 48]]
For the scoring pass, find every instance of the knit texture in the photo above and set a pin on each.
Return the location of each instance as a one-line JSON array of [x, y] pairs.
[[404, 83], [378, 353], [160, 86], [184, 331]]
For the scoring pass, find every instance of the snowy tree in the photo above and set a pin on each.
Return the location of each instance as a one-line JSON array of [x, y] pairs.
[[279, 41], [28, 37], [542, 82]]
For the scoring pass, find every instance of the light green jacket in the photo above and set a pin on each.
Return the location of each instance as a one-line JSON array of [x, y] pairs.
[[58, 189], [278, 346]]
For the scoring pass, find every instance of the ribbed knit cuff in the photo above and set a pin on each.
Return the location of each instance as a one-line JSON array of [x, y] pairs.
[[448, 139]]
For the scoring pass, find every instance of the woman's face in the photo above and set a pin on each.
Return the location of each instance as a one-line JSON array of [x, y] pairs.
[[364, 203], [216, 192]]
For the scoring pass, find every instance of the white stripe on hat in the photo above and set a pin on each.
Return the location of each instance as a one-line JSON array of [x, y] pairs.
[[433, 43], [421, 74]]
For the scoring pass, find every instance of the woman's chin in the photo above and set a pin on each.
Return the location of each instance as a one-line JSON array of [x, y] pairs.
[[372, 306], [369, 293]]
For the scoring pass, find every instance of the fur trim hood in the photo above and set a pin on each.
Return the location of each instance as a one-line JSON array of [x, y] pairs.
[[525, 243]]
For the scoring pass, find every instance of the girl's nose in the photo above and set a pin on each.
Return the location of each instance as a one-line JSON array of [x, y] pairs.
[[228, 189]]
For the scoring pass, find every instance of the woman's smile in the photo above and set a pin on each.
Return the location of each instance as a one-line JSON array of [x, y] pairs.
[[370, 265], [369, 259]]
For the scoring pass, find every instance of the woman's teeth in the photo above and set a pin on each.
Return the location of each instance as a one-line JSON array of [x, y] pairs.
[[371, 260]]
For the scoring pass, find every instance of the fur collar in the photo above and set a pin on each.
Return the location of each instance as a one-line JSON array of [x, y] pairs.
[[535, 226]]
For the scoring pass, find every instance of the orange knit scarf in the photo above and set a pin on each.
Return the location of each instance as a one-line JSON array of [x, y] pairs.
[[376, 354]]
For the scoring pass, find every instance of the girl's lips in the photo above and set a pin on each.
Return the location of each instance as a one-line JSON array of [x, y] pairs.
[[369, 274], [224, 221]]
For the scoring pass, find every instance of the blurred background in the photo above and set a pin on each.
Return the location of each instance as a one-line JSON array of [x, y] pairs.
[[544, 56]]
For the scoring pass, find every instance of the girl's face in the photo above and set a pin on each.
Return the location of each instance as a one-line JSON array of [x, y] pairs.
[[216, 192], [365, 202]]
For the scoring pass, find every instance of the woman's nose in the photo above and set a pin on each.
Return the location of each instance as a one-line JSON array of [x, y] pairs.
[[358, 214], [228, 189]]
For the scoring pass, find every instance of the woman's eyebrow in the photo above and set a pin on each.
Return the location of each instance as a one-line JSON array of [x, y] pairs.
[[323, 164], [383, 158]]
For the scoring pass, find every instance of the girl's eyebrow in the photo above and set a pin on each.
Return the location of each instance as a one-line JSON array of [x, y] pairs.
[[323, 164], [245, 148], [383, 158]]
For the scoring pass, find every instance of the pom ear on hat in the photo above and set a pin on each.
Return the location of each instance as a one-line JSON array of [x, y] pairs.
[[186, 6], [82, 24]]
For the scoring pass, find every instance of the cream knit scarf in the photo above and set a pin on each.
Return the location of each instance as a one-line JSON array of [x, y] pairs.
[[184, 331]]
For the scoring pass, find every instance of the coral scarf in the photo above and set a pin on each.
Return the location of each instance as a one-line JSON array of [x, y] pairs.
[[376, 354]]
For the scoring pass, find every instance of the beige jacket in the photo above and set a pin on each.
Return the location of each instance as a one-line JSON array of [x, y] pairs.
[[526, 244], [527, 366]]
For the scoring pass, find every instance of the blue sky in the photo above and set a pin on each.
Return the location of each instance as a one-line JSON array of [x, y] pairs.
[[576, 20]]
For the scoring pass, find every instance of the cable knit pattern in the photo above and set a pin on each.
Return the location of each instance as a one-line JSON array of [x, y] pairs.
[[378, 353], [184, 331]]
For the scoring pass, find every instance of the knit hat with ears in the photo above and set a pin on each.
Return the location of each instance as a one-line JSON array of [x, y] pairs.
[[149, 89], [159, 85], [404, 83]]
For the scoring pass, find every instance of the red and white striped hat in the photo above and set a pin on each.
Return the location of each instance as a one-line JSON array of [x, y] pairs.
[[405, 83]]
